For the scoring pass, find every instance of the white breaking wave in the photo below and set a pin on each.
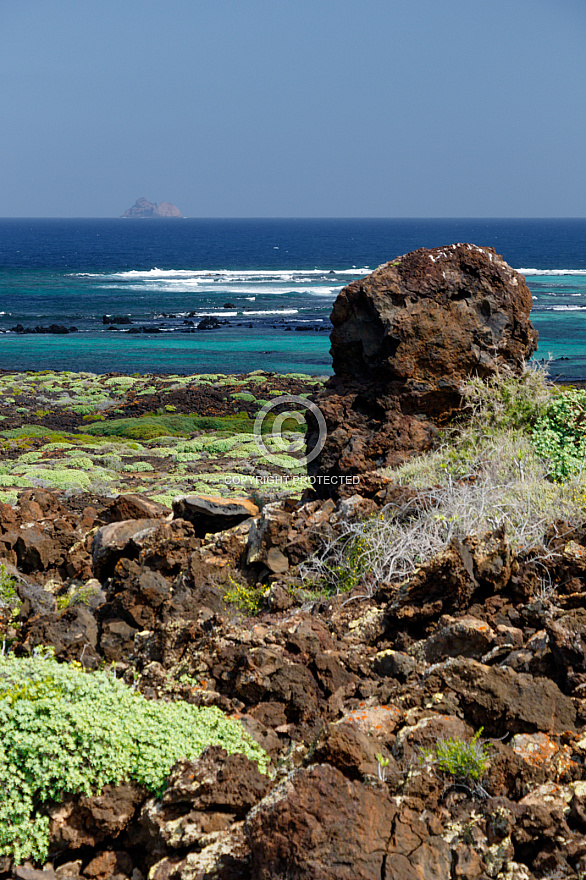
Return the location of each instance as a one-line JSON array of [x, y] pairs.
[[529, 272], [248, 313], [218, 275], [563, 309]]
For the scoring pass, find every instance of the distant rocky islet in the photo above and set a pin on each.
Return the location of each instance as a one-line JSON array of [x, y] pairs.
[[143, 208]]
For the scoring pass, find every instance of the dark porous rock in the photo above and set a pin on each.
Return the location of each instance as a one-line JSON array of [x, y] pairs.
[[394, 664], [73, 634], [138, 593], [35, 550], [109, 864], [22, 872], [225, 856], [567, 640], [505, 702], [443, 585], [117, 640], [55, 329], [465, 637], [116, 540], [130, 506], [217, 781], [47, 501], [210, 323], [208, 514], [427, 730], [319, 825], [404, 339], [168, 547], [348, 748], [203, 800], [34, 599], [86, 820]]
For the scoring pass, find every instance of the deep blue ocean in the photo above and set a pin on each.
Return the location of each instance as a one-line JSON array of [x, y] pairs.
[[271, 283]]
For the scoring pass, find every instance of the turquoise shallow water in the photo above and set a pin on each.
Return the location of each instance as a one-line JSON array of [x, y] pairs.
[[234, 352], [270, 282]]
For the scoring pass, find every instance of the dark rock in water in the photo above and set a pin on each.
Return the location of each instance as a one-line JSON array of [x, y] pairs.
[[116, 319], [229, 306], [56, 329], [210, 323], [404, 339], [144, 329]]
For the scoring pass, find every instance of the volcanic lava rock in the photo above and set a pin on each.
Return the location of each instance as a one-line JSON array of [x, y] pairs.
[[209, 515], [404, 340]]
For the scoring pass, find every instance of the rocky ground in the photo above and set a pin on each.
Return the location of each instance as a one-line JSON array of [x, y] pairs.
[[349, 694], [425, 723]]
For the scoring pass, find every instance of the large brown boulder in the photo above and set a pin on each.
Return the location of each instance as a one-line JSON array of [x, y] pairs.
[[318, 825], [404, 339]]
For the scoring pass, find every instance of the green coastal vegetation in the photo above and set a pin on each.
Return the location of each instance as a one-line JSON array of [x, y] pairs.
[[516, 461], [80, 432], [65, 730]]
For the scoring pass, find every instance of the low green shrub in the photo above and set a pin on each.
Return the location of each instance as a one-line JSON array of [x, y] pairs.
[[465, 761], [136, 467], [69, 731], [247, 599], [506, 401], [8, 595], [559, 435], [495, 471]]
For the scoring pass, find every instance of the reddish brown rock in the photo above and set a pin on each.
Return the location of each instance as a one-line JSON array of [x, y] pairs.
[[86, 821], [319, 825], [116, 540], [404, 339], [129, 506], [465, 637], [503, 701], [73, 634]]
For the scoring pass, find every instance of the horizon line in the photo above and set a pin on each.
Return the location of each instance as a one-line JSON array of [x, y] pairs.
[[276, 217]]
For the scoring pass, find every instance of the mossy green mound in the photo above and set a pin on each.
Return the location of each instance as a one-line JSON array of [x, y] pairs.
[[151, 427]]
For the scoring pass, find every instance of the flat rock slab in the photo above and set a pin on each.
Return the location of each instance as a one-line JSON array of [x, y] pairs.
[[209, 514]]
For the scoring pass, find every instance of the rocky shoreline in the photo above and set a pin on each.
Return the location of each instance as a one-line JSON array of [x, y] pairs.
[[423, 720]]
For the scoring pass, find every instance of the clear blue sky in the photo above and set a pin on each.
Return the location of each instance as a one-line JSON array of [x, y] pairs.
[[293, 108]]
